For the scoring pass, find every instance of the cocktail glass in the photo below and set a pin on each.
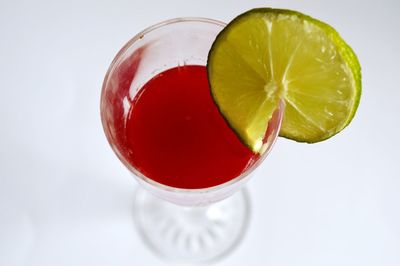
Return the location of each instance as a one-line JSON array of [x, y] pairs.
[[184, 224]]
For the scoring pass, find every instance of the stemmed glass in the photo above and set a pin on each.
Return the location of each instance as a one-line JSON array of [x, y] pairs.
[[186, 224]]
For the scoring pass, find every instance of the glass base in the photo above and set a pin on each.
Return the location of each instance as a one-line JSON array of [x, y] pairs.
[[192, 234]]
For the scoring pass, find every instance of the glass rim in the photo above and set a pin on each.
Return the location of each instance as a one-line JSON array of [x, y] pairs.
[[161, 24], [150, 181]]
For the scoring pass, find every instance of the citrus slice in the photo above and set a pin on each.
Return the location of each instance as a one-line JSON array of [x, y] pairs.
[[266, 56]]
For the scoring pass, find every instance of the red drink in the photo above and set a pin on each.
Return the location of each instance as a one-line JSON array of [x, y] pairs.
[[175, 135]]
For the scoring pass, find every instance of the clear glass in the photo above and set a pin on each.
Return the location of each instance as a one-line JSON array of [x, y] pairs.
[[176, 42], [206, 224]]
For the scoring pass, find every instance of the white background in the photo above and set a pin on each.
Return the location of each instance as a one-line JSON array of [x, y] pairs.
[[66, 200]]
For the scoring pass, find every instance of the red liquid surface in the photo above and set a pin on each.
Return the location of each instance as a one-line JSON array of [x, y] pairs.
[[175, 135]]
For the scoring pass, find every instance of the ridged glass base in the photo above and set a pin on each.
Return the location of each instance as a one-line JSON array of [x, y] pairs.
[[192, 234]]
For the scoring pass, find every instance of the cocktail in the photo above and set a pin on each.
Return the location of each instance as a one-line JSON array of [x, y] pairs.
[[161, 121], [194, 145]]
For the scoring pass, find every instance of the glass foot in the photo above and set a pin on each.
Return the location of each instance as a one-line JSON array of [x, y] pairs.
[[192, 234]]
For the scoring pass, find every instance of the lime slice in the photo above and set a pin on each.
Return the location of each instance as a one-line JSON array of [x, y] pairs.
[[268, 55]]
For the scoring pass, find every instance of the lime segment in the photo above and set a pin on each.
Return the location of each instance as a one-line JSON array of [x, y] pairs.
[[267, 55]]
